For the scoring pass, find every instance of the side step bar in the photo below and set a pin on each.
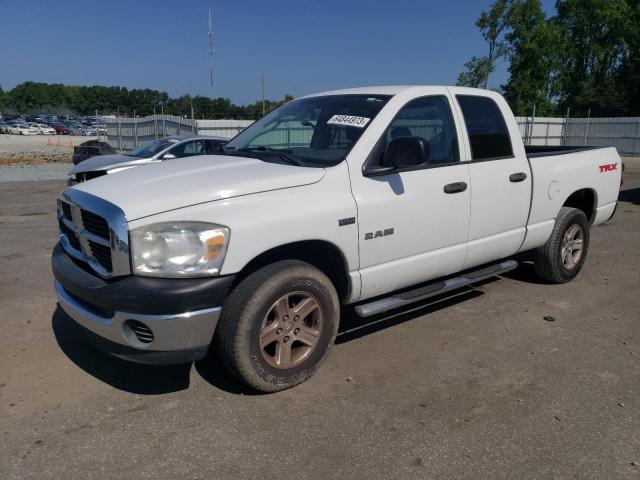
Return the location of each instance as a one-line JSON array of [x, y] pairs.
[[412, 296]]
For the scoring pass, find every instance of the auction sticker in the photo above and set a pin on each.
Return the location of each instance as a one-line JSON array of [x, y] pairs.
[[349, 121]]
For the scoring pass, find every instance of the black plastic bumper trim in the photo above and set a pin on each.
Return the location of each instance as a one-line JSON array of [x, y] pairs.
[[145, 295]]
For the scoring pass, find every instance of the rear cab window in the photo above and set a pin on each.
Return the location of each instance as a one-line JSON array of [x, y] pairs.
[[487, 130]]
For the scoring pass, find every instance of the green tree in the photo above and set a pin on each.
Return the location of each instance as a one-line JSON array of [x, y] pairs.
[[491, 25], [476, 73], [531, 45], [595, 52]]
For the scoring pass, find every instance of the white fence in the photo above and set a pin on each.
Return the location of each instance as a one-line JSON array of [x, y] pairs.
[[623, 133], [124, 133]]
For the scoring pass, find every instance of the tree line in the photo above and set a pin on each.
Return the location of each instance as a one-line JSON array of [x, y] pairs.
[[585, 57], [59, 99]]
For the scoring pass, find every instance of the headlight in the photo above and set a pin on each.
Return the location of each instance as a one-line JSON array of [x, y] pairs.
[[179, 249]]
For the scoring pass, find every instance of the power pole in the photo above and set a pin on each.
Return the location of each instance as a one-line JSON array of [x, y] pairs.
[[193, 121], [210, 51], [263, 104]]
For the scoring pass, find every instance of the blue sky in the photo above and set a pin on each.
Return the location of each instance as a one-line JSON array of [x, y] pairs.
[[301, 46]]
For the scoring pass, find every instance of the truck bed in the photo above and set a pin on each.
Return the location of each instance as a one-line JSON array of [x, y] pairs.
[[550, 151]]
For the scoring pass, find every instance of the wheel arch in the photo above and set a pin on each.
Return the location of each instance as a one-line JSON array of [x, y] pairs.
[[323, 255], [585, 199]]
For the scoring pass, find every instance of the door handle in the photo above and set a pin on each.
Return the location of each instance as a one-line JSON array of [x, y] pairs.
[[517, 177], [456, 187]]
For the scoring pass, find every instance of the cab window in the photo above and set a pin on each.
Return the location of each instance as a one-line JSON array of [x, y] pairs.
[[429, 118], [486, 127]]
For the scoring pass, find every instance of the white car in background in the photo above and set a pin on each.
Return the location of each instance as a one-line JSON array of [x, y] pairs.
[[43, 129], [160, 150], [89, 131], [22, 130]]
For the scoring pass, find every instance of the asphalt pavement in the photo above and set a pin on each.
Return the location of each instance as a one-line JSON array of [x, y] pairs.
[[476, 386]]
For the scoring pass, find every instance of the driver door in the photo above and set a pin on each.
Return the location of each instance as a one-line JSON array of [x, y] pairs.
[[413, 226]]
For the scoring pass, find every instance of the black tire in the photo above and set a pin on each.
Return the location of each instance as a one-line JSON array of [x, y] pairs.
[[244, 313], [548, 260]]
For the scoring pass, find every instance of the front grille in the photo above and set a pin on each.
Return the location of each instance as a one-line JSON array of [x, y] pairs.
[[140, 330], [71, 236], [95, 224], [66, 210], [93, 252], [102, 254]]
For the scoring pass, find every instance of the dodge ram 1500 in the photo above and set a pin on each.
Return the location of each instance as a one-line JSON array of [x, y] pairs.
[[374, 197]]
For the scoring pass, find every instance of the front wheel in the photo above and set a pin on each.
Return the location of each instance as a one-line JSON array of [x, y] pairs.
[[562, 257], [278, 325]]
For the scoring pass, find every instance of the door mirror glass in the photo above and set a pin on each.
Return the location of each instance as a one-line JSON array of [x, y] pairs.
[[403, 152]]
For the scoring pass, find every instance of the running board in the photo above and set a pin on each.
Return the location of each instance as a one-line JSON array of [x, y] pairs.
[[412, 296]]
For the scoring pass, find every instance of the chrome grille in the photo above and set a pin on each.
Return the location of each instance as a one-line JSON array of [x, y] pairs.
[[102, 254], [71, 236], [94, 231], [95, 224]]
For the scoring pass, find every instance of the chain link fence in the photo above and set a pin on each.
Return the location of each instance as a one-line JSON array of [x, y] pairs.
[[621, 132], [125, 133]]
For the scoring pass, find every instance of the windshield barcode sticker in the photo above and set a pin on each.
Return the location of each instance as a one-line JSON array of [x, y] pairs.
[[348, 120]]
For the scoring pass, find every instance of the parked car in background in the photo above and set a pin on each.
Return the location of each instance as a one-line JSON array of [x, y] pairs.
[[89, 131], [166, 148], [76, 129], [22, 129], [60, 128], [4, 127], [43, 129], [91, 148]]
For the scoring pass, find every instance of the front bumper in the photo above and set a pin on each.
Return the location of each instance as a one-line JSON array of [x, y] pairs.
[[142, 319]]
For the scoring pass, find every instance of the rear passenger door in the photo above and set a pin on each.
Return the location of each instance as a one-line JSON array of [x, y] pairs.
[[500, 180]]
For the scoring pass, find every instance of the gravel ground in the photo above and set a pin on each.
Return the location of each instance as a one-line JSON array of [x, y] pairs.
[[23, 172], [23, 143], [37, 149], [475, 386]]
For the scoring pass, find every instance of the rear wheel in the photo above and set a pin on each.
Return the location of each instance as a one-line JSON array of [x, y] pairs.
[[562, 257], [278, 325]]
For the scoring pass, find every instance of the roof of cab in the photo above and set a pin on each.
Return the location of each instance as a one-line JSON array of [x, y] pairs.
[[391, 90]]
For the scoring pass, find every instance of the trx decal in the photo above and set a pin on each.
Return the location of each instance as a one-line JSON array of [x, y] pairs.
[[608, 168]]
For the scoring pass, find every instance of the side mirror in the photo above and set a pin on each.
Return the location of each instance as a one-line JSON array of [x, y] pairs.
[[169, 156], [405, 152]]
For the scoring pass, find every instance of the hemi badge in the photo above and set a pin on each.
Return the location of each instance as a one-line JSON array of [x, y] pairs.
[[346, 221]]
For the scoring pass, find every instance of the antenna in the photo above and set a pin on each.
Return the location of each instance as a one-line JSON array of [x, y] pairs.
[[210, 51]]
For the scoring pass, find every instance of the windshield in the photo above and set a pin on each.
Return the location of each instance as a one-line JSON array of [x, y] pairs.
[[150, 149], [316, 131]]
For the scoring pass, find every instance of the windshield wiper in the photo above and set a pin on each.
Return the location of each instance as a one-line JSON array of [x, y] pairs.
[[280, 152]]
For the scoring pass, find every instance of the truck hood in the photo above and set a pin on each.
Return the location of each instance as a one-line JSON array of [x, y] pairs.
[[163, 186], [107, 162]]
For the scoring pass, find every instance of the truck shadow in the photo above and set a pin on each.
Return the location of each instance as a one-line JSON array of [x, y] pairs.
[[353, 327], [631, 195], [525, 273], [120, 374], [156, 380]]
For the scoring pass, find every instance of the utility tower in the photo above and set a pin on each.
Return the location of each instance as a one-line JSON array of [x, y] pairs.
[[210, 51]]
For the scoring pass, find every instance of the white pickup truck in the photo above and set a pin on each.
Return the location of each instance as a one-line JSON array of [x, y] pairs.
[[375, 197]]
